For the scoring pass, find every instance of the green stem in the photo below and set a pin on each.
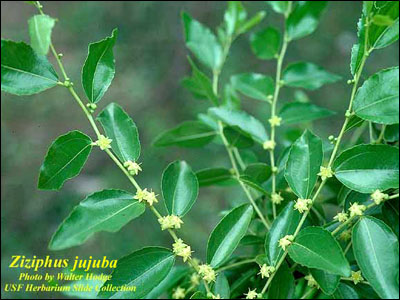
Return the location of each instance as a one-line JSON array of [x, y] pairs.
[[381, 135]]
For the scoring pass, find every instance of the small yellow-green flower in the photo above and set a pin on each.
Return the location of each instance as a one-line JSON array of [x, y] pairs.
[[303, 205], [252, 294], [207, 273], [269, 145], [179, 293], [311, 282], [286, 241], [103, 142], [325, 173], [276, 198], [357, 209], [275, 121], [195, 279], [379, 197], [133, 167], [183, 250], [266, 271], [144, 195], [356, 277], [341, 217], [345, 235], [170, 222]]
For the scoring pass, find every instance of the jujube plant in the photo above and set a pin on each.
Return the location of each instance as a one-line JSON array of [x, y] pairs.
[[296, 250]]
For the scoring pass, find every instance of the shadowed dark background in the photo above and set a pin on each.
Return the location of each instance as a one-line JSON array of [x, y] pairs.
[[150, 61]]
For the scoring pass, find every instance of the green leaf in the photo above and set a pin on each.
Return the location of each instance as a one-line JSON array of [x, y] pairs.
[[299, 112], [231, 99], [282, 285], [40, 27], [304, 19], [392, 133], [108, 210], [221, 287], [202, 42], [214, 176], [354, 122], [358, 50], [376, 249], [265, 43], [247, 123], [254, 21], [174, 277], [315, 247], [227, 235], [190, 134], [119, 127], [383, 33], [259, 172], [344, 291], [390, 213], [235, 15], [143, 269], [285, 224], [180, 188], [23, 72], [303, 166], [236, 138], [378, 99], [64, 160], [280, 7], [367, 168], [256, 86], [99, 69], [326, 281], [250, 182], [308, 76], [200, 85]]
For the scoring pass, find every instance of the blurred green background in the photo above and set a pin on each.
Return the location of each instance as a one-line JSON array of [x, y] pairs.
[[150, 60]]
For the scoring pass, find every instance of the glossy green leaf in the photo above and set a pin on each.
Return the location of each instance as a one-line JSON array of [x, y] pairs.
[[304, 19], [366, 168], [227, 235], [299, 112], [378, 99], [176, 275], [23, 72], [303, 166], [214, 176], [221, 287], [327, 282], [180, 188], [108, 210], [40, 27], [99, 69], [266, 43], [280, 7], [252, 22], [390, 213], [119, 127], [344, 291], [376, 249], [247, 123], [383, 34], [282, 285], [190, 134], [285, 224], [64, 160], [308, 76], [354, 122], [234, 17], [358, 50], [256, 86], [315, 247], [259, 172], [200, 85], [250, 182], [202, 42], [236, 138], [143, 269]]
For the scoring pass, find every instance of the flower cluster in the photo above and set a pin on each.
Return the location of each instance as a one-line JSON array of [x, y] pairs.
[[356, 277], [275, 121], [207, 273], [269, 145], [179, 293], [266, 271], [379, 197], [252, 294], [286, 241], [341, 217], [357, 209], [133, 167], [183, 250], [103, 142], [195, 279], [276, 198], [146, 196], [345, 236], [170, 222], [325, 173], [303, 205], [91, 107]]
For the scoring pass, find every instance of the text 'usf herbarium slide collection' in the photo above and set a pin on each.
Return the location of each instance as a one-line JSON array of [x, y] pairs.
[[299, 253]]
